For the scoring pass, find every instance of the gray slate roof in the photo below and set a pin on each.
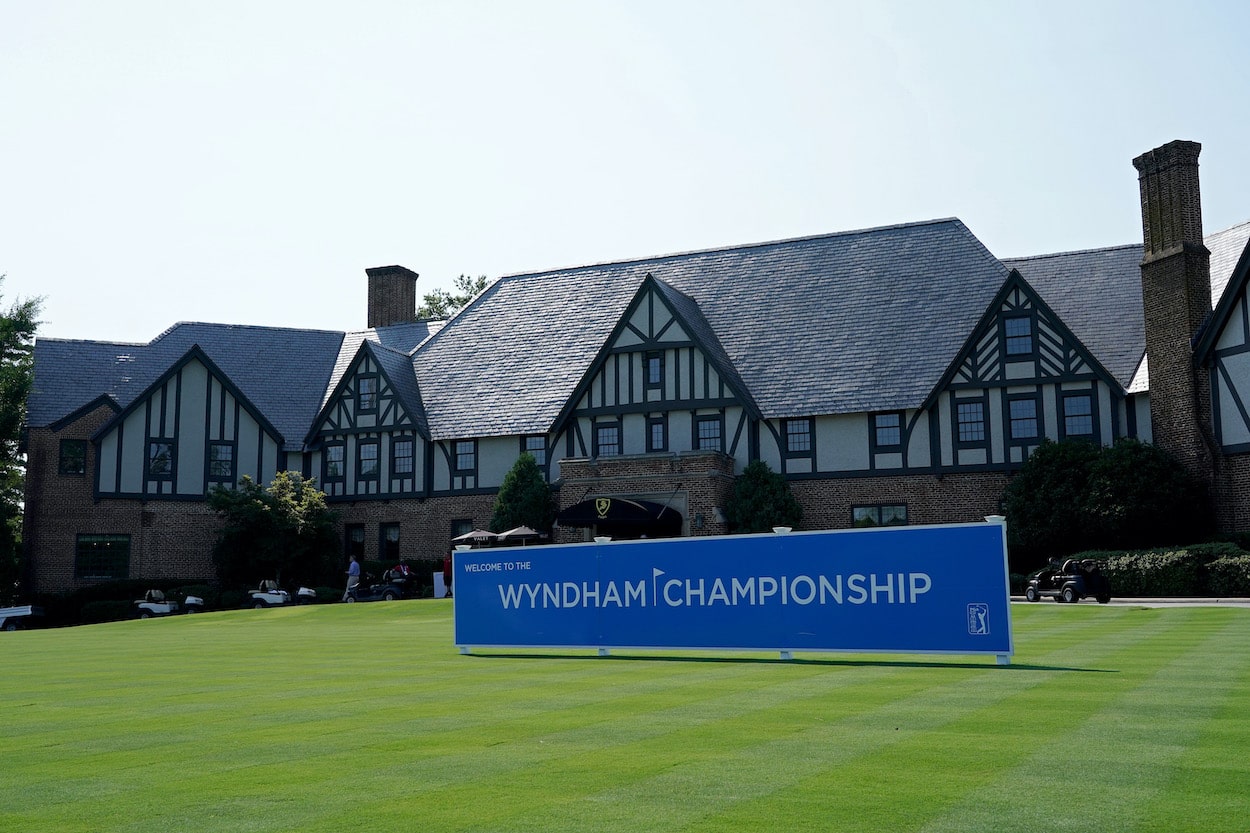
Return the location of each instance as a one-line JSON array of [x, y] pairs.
[[283, 372], [852, 322], [842, 323]]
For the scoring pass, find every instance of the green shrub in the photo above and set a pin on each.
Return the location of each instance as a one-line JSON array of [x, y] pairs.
[[105, 610], [1229, 576], [1181, 571]]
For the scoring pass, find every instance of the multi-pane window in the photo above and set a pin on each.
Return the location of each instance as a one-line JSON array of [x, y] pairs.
[[388, 542], [654, 364], [1078, 415], [160, 459], [355, 540], [887, 429], [99, 557], [460, 526], [882, 514], [466, 456], [1018, 334], [333, 462], [708, 433], [401, 457], [73, 458], [367, 465], [798, 436], [970, 419], [607, 439], [657, 433], [367, 393], [1022, 414], [537, 446], [221, 462]]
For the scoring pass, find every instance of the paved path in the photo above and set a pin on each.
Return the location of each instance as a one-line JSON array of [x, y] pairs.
[[1161, 601]]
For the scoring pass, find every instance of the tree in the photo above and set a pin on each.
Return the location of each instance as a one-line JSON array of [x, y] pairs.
[[283, 532], [1045, 500], [524, 498], [1141, 496], [440, 303], [1073, 495], [761, 499], [17, 337]]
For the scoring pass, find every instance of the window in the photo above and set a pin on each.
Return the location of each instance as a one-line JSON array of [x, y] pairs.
[[460, 526], [466, 456], [355, 540], [971, 421], [654, 364], [367, 467], [102, 557], [536, 446], [1018, 335], [160, 460], [367, 393], [1078, 415], [882, 514], [388, 542], [73, 457], [657, 433], [1023, 416], [798, 435], [332, 468], [401, 457], [707, 434], [221, 462], [887, 430], [607, 439]]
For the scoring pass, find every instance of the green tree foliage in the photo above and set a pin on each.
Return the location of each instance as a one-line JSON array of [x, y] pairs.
[[283, 532], [1073, 495], [17, 340], [761, 499], [440, 303], [524, 498]]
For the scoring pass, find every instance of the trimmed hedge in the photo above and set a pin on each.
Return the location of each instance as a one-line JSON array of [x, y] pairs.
[[1219, 569]]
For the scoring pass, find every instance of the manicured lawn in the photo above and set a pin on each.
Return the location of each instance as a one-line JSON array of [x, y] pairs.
[[364, 717]]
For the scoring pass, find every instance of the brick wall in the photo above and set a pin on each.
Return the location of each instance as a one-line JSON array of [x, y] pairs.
[[168, 539], [952, 498]]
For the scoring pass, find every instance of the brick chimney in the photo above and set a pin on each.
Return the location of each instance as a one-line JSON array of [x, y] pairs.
[[1176, 294], [392, 295]]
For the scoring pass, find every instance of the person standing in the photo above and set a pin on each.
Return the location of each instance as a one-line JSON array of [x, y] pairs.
[[353, 577], [447, 574]]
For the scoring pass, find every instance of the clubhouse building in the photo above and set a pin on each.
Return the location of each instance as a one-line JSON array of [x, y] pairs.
[[893, 375]]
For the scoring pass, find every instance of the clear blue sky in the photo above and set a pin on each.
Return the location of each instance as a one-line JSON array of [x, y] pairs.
[[244, 162]]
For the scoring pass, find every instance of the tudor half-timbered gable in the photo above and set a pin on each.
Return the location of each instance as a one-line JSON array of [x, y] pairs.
[[367, 441], [661, 385], [192, 429], [1022, 378]]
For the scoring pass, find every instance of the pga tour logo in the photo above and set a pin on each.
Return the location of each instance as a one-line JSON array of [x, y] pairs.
[[979, 619]]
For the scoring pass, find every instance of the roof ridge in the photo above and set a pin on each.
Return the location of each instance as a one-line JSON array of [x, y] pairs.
[[733, 248], [266, 327], [1076, 252]]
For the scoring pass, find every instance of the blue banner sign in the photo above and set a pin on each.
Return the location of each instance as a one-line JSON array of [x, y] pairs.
[[916, 589]]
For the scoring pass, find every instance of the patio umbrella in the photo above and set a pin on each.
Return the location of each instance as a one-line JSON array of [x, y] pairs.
[[519, 533], [476, 536]]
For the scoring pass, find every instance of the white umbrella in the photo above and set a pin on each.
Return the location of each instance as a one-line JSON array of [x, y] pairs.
[[521, 532], [476, 536]]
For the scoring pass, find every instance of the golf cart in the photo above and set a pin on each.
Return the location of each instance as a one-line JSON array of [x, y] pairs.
[[268, 594], [397, 583], [12, 618], [1069, 581], [155, 603]]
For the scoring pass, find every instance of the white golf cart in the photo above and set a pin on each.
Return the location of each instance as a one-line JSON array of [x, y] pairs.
[[155, 603]]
